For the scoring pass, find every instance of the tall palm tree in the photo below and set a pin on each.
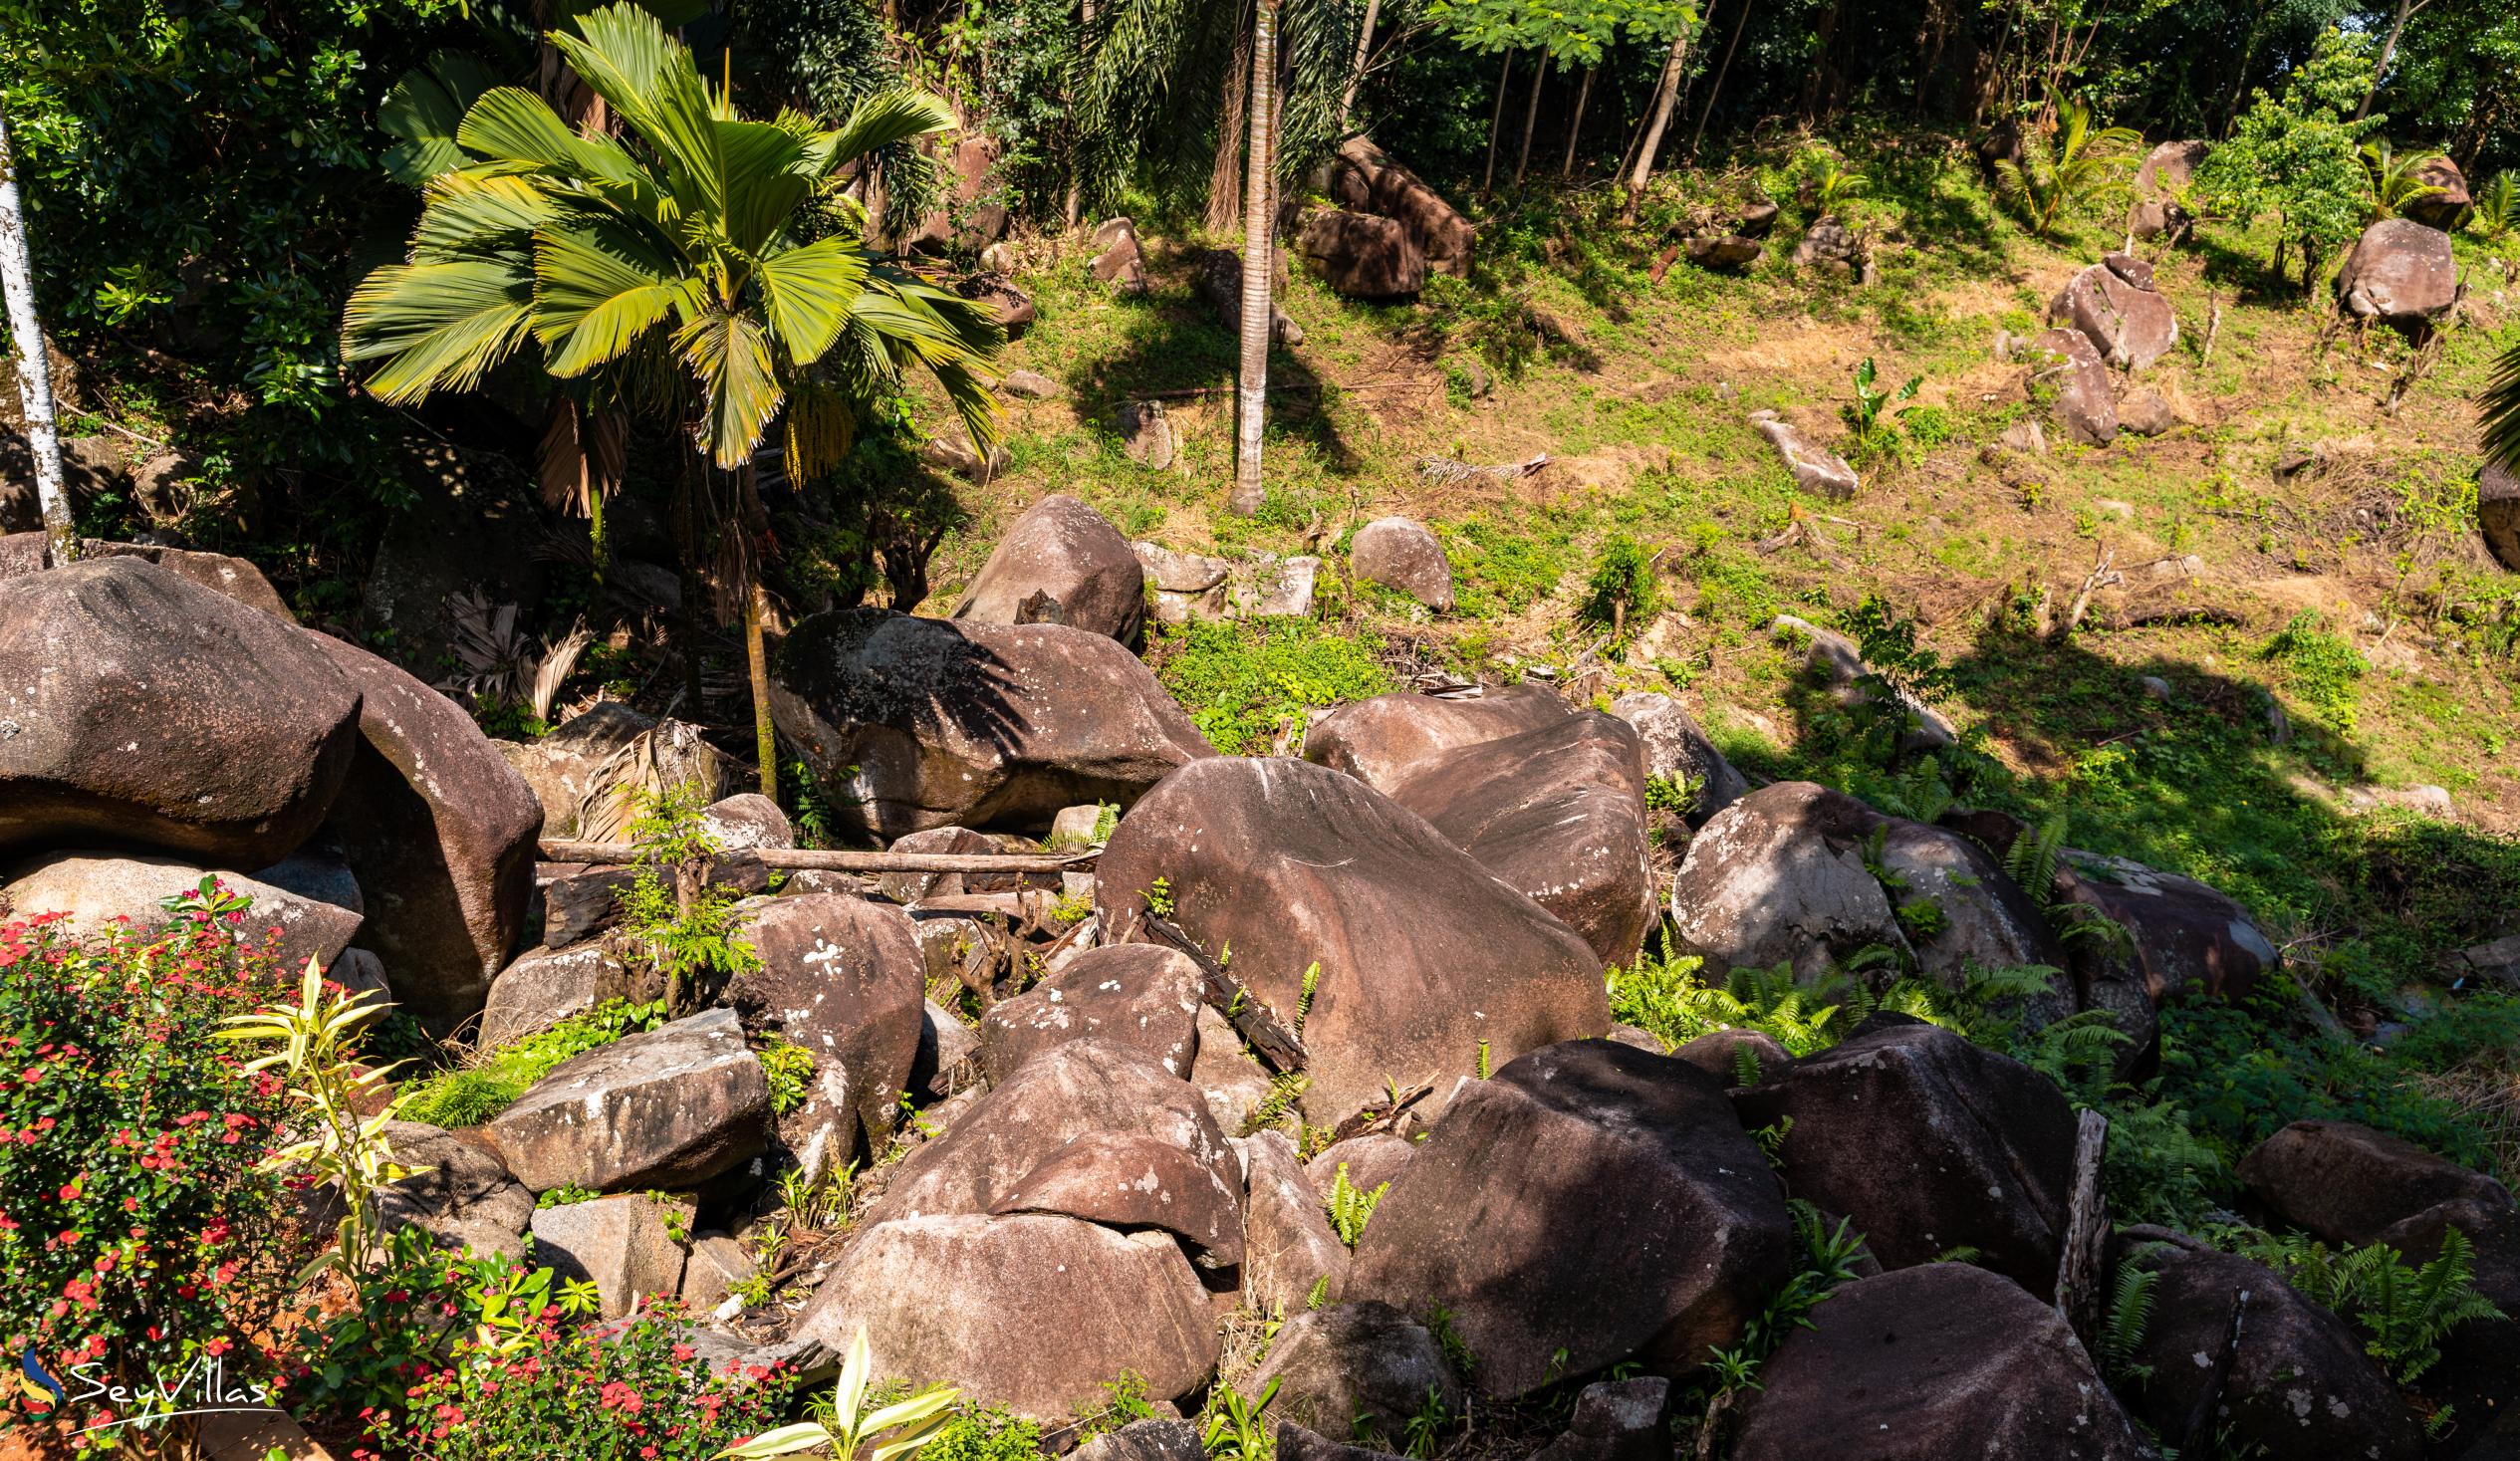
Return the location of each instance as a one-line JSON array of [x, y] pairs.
[[682, 257]]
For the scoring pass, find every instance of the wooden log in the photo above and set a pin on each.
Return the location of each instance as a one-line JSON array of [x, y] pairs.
[[2078, 1270], [560, 850], [584, 903], [1247, 1012]]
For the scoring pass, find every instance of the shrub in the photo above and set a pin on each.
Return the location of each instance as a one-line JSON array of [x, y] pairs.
[[1254, 682], [1621, 592], [2323, 668], [628, 1392], [138, 1231]]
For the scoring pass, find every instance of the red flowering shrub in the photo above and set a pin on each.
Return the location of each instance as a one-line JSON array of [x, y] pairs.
[[136, 1230], [631, 1391]]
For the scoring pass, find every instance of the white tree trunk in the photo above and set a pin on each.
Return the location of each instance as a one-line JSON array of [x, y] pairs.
[[35, 373], [1665, 95], [1355, 74], [1258, 235]]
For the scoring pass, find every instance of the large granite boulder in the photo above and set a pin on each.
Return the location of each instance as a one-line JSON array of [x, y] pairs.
[[919, 722], [2345, 1183], [624, 1246], [1559, 814], [2166, 170], [1361, 255], [589, 771], [1291, 1255], [140, 708], [1589, 1204], [1404, 555], [1981, 918], [671, 1107], [458, 1190], [1368, 180], [1928, 1143], [24, 553], [1139, 995], [2066, 363], [544, 986], [2299, 1385], [2114, 305], [2182, 937], [1942, 1362], [1677, 751], [101, 892], [1356, 1368], [1085, 1092], [2446, 208], [844, 978], [1035, 1313], [1382, 739], [441, 832], [2401, 273], [1817, 470], [1425, 958], [1060, 548], [1777, 877]]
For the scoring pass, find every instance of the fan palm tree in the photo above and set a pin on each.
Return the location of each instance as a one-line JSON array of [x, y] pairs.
[[2077, 167], [2498, 207], [679, 262]]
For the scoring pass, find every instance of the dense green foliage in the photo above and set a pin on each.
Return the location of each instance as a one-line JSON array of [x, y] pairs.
[[1253, 686]]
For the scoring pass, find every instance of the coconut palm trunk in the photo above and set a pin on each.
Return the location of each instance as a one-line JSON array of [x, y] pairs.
[[1252, 393], [35, 371]]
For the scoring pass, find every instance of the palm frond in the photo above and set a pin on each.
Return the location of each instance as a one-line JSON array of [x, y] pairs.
[[651, 82], [599, 285], [424, 109], [437, 327], [468, 212], [808, 293], [731, 356], [877, 121]]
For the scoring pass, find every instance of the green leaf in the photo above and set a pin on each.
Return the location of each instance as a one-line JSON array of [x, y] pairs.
[[437, 326], [651, 80], [425, 109], [731, 356], [876, 123], [599, 285], [809, 292], [468, 212], [787, 1441]]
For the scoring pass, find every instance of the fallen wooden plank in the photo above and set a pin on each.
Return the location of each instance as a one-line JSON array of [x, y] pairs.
[[560, 850]]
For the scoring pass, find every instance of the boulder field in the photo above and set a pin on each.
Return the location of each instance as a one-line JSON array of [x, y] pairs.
[[1084, 1117]]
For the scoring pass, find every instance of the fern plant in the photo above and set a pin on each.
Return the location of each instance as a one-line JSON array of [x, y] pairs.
[[2075, 170], [1351, 1208], [2122, 1330], [2403, 1312]]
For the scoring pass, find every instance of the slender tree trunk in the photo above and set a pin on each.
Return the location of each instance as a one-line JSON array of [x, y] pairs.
[[1665, 93], [1355, 74], [2387, 52], [1723, 68], [1225, 180], [1575, 129], [765, 735], [1816, 86], [1496, 121], [1531, 115], [686, 529], [1258, 238], [34, 369]]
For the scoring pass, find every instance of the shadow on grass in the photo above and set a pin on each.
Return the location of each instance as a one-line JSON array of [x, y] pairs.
[[2197, 785]]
